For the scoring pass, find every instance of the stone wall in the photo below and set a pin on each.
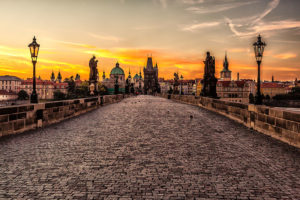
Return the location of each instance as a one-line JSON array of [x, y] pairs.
[[279, 123], [17, 119]]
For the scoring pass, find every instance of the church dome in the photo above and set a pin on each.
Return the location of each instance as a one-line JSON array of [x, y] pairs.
[[136, 76], [117, 70]]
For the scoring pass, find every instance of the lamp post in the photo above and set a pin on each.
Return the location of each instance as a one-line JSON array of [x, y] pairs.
[[181, 78], [34, 51], [259, 47]]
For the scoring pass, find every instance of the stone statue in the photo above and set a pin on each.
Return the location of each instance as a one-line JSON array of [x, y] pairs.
[[93, 80], [209, 65], [93, 69], [209, 81]]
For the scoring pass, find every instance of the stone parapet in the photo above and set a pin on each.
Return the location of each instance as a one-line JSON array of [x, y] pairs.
[[17, 119], [280, 123]]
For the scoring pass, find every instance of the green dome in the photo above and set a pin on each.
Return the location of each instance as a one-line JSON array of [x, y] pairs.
[[117, 70], [136, 76]]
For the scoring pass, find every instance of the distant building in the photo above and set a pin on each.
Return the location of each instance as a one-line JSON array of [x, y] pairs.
[[198, 86], [187, 86], [151, 84], [44, 88], [138, 83], [235, 91], [274, 88], [7, 95], [10, 83], [165, 85], [117, 76]]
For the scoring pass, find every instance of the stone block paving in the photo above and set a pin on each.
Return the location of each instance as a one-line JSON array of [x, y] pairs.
[[148, 148]]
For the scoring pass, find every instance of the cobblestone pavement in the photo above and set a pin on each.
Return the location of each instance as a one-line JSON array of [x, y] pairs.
[[148, 148]]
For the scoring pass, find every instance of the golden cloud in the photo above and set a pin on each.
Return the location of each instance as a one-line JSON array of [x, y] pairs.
[[285, 56]]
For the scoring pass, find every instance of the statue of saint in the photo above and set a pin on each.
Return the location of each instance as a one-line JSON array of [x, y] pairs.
[[209, 62], [92, 65], [93, 69]]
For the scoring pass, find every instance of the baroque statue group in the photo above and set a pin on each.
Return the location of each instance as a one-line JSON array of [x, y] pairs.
[[94, 76]]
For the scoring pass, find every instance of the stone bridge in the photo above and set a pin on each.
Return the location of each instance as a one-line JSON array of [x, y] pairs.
[[148, 147]]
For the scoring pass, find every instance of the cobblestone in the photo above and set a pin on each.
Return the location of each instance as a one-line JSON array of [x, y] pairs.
[[148, 148]]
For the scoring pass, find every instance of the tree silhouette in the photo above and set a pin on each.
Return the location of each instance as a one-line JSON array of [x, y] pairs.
[[22, 95]]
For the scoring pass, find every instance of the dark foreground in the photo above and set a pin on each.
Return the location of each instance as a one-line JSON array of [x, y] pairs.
[[148, 148]]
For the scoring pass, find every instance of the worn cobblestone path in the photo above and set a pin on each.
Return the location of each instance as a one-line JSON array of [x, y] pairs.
[[148, 148]]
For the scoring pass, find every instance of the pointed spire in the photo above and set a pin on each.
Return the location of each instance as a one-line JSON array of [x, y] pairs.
[[129, 76], [103, 75], [149, 63], [52, 78], [140, 73], [225, 63], [59, 77]]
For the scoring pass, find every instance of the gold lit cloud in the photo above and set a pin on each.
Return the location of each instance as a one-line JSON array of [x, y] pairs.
[[285, 56]]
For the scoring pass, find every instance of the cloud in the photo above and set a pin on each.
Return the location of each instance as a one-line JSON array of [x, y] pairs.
[[198, 26], [262, 27], [271, 6], [253, 25], [76, 45], [145, 28], [164, 3], [239, 50], [105, 37], [277, 25], [218, 8], [285, 56], [192, 1], [233, 29]]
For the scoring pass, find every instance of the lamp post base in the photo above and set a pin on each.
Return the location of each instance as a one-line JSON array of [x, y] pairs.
[[258, 100], [34, 98]]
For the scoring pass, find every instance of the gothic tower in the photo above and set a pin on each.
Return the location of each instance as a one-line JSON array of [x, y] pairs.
[[226, 73], [151, 85], [52, 78]]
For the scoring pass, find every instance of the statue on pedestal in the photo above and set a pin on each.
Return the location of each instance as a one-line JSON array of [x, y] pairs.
[[209, 81], [93, 79]]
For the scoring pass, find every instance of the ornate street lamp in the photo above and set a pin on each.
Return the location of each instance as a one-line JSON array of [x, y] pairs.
[[259, 47], [34, 51]]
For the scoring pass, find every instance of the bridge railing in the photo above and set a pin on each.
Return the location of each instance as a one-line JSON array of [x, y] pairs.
[[20, 118], [280, 123]]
